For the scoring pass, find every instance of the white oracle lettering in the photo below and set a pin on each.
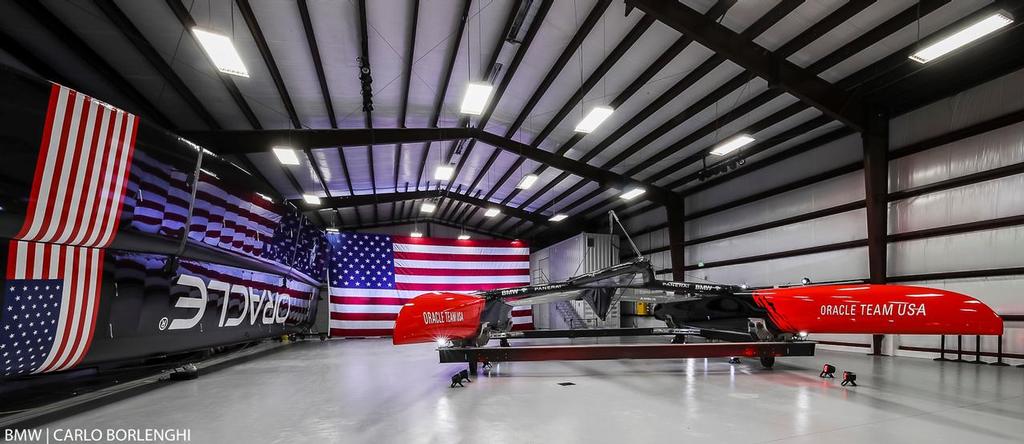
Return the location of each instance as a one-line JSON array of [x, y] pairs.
[[244, 292], [280, 316], [198, 304], [225, 289], [442, 317], [268, 306], [837, 310]]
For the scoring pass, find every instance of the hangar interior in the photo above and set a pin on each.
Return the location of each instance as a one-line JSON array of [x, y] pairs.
[[761, 144]]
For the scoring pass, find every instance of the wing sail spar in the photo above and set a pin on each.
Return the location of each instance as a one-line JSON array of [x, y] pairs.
[[600, 288]]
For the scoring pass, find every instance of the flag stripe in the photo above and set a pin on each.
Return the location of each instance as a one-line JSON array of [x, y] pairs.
[[443, 249], [456, 242], [524, 266], [471, 279], [462, 257], [460, 271]]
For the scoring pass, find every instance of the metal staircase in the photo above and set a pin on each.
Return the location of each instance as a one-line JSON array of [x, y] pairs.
[[569, 314]]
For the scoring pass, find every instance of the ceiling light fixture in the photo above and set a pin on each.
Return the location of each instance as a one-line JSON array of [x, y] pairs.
[[491, 212], [593, 119], [967, 35], [477, 95], [732, 144], [559, 217], [286, 155], [633, 193], [311, 199], [416, 234], [527, 181], [222, 52], [463, 237], [444, 172], [428, 207]]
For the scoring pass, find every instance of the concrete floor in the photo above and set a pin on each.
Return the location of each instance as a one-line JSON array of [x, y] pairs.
[[369, 391]]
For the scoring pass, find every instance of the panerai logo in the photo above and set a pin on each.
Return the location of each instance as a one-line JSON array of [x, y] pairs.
[[266, 306]]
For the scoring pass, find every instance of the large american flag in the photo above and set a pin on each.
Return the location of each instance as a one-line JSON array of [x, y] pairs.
[[373, 275], [55, 263]]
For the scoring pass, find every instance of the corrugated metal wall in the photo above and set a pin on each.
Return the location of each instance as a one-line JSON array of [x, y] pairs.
[[977, 250], [579, 254]]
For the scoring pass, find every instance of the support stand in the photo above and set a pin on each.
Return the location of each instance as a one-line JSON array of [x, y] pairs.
[[959, 349], [942, 350], [977, 351], [999, 355]]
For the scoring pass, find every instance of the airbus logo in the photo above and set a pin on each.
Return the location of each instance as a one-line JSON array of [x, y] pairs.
[[266, 307]]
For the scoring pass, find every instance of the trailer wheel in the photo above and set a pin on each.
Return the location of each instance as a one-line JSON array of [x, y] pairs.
[[767, 361]]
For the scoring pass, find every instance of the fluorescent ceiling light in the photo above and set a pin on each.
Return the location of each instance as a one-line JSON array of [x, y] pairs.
[[222, 52], [265, 197], [311, 199], [527, 181], [444, 172], [969, 34], [593, 119], [731, 145], [333, 230], [416, 234], [491, 212], [476, 98], [428, 207], [558, 217], [286, 155], [463, 237], [633, 193]]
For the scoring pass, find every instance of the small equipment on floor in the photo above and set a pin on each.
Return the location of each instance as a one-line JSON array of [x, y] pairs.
[[849, 378], [459, 377], [828, 371]]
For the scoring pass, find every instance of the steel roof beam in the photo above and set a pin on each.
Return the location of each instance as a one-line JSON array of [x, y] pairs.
[[778, 71], [370, 199]]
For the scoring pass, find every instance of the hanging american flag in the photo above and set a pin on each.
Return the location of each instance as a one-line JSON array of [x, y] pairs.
[[373, 275], [55, 263]]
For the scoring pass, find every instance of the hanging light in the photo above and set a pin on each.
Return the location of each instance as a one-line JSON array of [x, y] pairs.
[[732, 144], [634, 192], [527, 181], [286, 155], [416, 234], [463, 236], [594, 118], [428, 207], [444, 172], [558, 217], [477, 95], [967, 35], [311, 199], [491, 212], [222, 52]]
